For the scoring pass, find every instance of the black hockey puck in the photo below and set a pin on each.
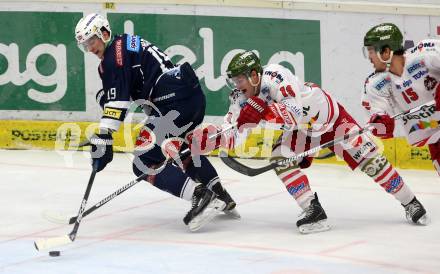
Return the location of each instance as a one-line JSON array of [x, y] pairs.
[[54, 253]]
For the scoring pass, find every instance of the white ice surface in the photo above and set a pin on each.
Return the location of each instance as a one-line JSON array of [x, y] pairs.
[[141, 231]]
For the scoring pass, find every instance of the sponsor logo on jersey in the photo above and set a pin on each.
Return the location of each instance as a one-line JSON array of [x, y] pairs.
[[421, 125], [415, 66], [382, 83], [364, 150], [297, 111], [406, 83], [422, 46], [265, 90], [133, 43], [420, 74], [425, 112], [118, 53], [430, 82], [112, 113], [274, 74]]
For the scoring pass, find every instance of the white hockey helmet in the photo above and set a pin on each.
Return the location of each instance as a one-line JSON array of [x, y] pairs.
[[90, 26]]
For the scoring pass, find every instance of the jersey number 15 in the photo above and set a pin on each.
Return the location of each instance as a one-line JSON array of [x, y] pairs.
[[409, 95]]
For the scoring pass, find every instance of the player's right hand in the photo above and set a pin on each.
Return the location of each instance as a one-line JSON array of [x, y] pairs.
[[253, 112], [384, 125], [102, 150], [200, 142]]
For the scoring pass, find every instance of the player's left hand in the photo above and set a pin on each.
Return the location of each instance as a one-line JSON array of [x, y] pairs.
[[102, 150], [252, 112], [386, 121]]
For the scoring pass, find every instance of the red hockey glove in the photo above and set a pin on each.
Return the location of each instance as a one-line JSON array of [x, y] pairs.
[[386, 121], [306, 162], [252, 112], [200, 142]]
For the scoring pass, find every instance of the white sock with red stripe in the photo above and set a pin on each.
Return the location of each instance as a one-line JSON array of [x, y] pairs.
[[388, 178], [297, 184]]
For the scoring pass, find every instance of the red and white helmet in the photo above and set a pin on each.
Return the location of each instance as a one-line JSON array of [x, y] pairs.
[[90, 26]]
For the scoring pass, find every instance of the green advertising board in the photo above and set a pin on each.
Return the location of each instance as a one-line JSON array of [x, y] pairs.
[[41, 68], [209, 42]]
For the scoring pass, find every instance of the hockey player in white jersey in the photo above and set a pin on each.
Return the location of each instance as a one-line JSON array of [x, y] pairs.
[[405, 79], [310, 116]]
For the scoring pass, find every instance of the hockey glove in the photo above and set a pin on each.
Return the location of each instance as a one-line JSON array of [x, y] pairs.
[[252, 112], [306, 162], [200, 142], [102, 150], [386, 121]]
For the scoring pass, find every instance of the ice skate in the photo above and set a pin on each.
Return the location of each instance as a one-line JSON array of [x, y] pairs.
[[224, 196], [205, 206], [416, 213], [315, 219]]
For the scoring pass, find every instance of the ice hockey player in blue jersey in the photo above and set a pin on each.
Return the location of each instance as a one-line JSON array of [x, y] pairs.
[[132, 70]]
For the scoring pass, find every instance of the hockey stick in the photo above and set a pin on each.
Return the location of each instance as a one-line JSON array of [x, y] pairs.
[[49, 243], [326, 155], [59, 219], [249, 171]]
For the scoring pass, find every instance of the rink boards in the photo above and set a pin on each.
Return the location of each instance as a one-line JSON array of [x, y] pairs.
[[57, 135]]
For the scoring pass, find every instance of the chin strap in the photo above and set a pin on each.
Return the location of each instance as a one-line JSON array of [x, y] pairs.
[[256, 91], [388, 62]]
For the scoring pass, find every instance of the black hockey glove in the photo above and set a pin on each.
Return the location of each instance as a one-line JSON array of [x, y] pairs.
[[102, 150]]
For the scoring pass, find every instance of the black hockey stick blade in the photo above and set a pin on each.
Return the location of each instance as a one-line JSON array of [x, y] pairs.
[[241, 168]]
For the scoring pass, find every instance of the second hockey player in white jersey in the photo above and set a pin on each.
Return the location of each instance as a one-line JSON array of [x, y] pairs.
[[404, 79], [310, 116]]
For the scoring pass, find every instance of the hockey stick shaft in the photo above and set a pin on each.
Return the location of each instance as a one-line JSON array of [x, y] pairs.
[[241, 168], [57, 241]]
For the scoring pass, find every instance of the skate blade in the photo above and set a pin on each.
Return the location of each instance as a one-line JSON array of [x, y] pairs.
[[314, 227], [212, 209], [233, 213], [424, 220]]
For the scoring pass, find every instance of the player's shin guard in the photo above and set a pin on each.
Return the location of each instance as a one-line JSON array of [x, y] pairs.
[[389, 179], [296, 183]]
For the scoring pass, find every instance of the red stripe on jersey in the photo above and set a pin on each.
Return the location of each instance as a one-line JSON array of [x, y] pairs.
[[330, 105]]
